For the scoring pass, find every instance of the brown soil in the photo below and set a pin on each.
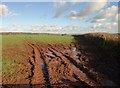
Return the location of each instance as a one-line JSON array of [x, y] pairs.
[[55, 66]]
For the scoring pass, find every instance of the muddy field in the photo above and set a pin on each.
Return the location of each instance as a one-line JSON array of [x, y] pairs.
[[59, 66]]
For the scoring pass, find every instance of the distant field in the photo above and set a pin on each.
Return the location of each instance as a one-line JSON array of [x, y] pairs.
[[20, 38]]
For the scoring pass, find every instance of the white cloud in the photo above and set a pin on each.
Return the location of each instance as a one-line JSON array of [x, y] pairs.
[[92, 7], [4, 11], [4, 28], [61, 11], [116, 18], [14, 28], [61, 8], [73, 15], [74, 2], [45, 28], [106, 26], [61, 2], [14, 25], [110, 27], [103, 15]]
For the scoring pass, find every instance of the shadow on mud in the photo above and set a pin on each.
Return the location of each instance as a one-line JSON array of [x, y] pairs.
[[103, 55]]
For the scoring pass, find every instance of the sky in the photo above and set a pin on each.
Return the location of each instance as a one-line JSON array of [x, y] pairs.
[[59, 17]]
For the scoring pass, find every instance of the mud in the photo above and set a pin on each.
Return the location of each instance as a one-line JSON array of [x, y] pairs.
[[60, 66], [54, 66]]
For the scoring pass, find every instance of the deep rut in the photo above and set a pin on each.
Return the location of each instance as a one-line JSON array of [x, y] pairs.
[[43, 62], [45, 70], [39, 68]]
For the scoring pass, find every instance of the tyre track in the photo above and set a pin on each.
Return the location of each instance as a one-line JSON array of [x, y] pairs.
[[98, 78], [39, 59], [82, 76], [40, 75]]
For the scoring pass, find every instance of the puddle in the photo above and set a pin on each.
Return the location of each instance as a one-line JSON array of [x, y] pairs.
[[49, 59], [43, 66], [68, 51], [78, 61], [42, 56], [76, 54], [73, 49], [50, 54]]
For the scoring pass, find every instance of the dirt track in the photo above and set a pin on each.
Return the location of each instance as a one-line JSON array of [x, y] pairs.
[[62, 66]]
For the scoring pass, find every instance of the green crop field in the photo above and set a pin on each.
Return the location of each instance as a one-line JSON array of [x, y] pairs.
[[20, 38]]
